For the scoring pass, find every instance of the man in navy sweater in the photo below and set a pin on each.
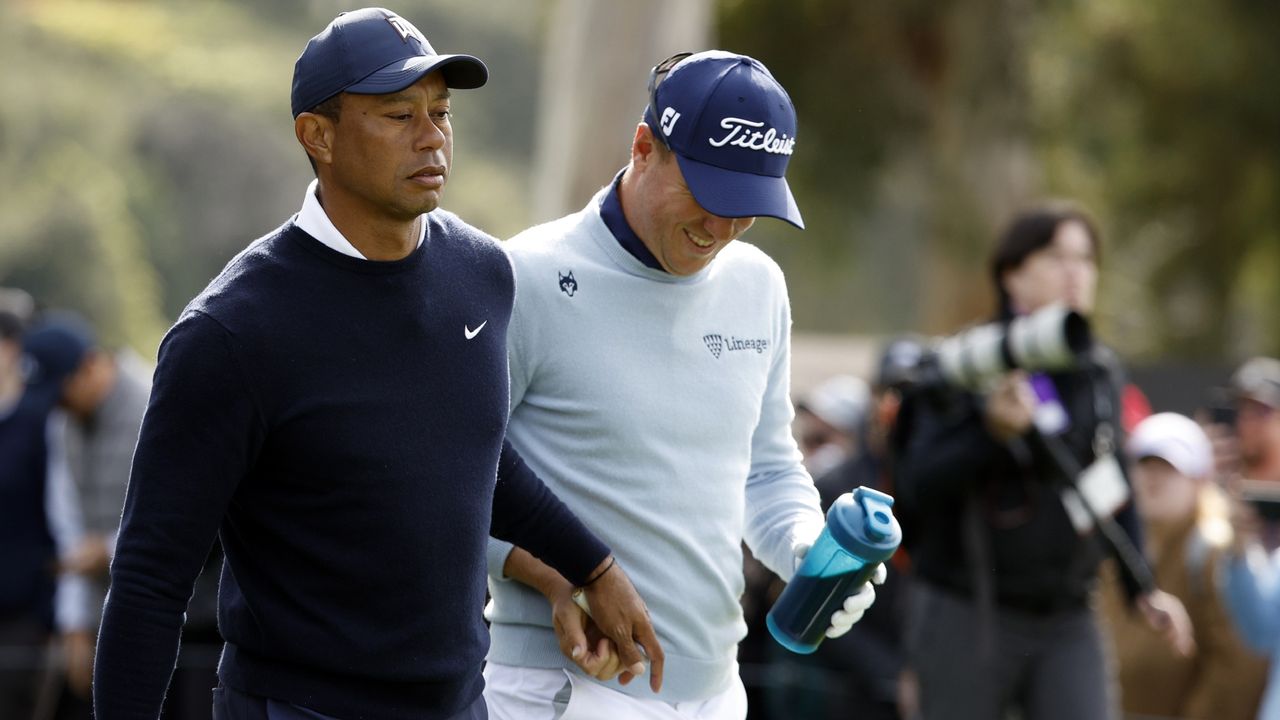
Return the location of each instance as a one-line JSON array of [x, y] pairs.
[[333, 406]]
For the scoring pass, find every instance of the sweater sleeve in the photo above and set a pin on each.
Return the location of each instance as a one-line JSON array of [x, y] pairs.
[[526, 513], [782, 506], [198, 440], [518, 376]]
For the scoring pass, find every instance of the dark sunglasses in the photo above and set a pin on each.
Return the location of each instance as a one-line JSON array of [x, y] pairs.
[[656, 75]]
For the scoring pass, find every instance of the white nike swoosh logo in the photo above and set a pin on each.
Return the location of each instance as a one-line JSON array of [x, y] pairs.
[[472, 333]]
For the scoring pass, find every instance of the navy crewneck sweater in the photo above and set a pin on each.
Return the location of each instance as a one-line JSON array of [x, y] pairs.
[[338, 423]]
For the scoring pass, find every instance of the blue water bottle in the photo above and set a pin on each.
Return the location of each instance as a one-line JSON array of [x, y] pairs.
[[861, 533]]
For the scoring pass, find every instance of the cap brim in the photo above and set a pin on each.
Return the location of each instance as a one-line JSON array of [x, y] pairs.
[[460, 71], [729, 193]]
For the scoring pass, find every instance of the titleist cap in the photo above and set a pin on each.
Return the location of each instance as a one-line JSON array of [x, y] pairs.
[[733, 129]]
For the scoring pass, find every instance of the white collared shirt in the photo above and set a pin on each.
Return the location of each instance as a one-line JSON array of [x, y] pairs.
[[314, 221]]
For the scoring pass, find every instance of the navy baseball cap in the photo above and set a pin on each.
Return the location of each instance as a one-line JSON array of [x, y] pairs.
[[732, 128], [373, 51], [56, 347]]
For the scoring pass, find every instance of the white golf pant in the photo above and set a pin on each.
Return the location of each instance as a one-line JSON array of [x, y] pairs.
[[520, 693]]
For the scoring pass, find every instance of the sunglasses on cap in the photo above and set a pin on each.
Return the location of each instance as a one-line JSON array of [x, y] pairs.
[[656, 75]]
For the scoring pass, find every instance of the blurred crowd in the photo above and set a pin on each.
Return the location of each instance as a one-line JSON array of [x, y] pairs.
[[1158, 598], [1205, 487], [70, 410], [1162, 603]]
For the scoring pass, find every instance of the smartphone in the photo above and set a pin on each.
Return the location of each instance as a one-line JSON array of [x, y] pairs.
[[1264, 496]]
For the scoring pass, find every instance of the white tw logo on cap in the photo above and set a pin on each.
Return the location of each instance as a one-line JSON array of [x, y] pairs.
[[668, 122], [405, 28]]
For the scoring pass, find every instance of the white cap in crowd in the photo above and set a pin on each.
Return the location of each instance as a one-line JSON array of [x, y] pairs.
[[1259, 380], [841, 401], [1177, 440]]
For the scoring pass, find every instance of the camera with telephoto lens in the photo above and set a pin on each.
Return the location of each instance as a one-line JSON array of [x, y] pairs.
[[1050, 339]]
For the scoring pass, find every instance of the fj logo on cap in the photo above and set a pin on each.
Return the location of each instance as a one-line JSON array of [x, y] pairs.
[[743, 133], [405, 28], [669, 118]]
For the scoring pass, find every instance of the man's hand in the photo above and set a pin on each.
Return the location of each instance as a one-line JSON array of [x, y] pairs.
[[77, 651], [1165, 614], [581, 640], [90, 557], [621, 615], [1011, 407], [611, 645]]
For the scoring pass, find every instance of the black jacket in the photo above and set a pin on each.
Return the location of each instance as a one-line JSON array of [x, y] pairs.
[[991, 514]]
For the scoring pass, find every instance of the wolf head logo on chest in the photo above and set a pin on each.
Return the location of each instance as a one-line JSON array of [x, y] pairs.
[[568, 285]]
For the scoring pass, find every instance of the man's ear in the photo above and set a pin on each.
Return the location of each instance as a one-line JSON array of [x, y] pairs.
[[644, 148], [315, 133]]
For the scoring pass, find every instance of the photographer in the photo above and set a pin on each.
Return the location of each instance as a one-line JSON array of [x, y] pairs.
[[1001, 617]]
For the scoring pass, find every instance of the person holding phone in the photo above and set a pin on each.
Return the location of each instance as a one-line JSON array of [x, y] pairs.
[[1251, 586]]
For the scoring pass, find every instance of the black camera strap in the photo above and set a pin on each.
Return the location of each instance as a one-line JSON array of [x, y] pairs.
[[1069, 470]]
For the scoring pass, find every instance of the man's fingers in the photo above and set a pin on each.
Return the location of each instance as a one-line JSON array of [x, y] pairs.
[[573, 636], [657, 658], [611, 664], [602, 663], [632, 660]]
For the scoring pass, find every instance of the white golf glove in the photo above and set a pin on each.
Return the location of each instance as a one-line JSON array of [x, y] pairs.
[[855, 605]]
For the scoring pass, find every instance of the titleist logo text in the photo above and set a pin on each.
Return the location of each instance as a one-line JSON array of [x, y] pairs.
[[743, 133]]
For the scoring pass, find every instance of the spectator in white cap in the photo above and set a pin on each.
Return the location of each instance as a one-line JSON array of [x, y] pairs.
[[1184, 518], [829, 420]]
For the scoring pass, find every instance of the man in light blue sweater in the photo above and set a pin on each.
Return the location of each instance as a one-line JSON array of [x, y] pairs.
[[650, 364]]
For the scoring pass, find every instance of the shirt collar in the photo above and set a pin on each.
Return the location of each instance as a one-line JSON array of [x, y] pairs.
[[314, 221], [616, 221]]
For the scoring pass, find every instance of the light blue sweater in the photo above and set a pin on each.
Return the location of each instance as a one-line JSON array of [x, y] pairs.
[[657, 408], [1252, 589]]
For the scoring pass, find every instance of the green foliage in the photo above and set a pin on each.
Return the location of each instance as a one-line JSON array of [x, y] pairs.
[[1166, 118], [143, 144], [924, 125]]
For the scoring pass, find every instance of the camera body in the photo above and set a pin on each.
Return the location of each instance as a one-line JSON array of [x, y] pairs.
[[1263, 496], [1052, 338]]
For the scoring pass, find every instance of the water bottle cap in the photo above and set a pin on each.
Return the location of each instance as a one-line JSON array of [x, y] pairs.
[[862, 523], [877, 509]]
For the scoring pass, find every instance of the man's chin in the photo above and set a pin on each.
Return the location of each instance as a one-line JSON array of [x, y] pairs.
[[422, 206]]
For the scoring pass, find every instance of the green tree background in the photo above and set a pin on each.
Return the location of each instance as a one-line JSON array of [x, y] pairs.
[[142, 144]]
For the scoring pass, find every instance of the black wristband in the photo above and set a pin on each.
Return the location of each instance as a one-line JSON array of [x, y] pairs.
[[612, 561]]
